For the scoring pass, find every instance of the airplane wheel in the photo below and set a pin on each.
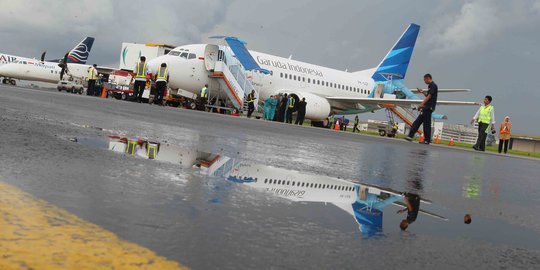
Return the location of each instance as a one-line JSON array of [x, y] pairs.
[[12, 82], [5, 81]]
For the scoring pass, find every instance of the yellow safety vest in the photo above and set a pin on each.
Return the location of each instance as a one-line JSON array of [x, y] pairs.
[[291, 102], [91, 74], [485, 114], [251, 98], [141, 71], [163, 73], [204, 92]]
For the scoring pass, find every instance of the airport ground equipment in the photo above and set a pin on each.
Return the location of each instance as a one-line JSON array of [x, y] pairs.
[[233, 69], [70, 87]]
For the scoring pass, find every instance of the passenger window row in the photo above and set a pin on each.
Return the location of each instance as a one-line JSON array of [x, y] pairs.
[[323, 83], [307, 185]]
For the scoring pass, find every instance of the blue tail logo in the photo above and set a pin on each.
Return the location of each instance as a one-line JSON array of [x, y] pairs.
[[80, 53], [397, 60]]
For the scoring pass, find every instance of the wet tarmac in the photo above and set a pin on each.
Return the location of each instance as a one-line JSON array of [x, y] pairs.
[[55, 146]]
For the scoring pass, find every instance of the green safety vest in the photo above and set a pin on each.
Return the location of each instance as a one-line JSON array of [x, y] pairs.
[[204, 92], [163, 73], [91, 74], [141, 71], [291, 102], [485, 114]]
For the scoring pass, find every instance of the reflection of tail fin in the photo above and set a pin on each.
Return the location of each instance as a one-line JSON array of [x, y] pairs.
[[80, 53], [397, 60]]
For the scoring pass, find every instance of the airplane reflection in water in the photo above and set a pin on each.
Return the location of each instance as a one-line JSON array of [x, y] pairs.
[[365, 203]]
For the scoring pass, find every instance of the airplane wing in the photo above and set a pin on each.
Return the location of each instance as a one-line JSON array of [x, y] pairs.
[[443, 90], [427, 213], [397, 102]]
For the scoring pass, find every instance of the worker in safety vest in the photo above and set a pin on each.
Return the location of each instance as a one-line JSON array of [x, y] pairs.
[[291, 105], [356, 122], [203, 98], [162, 79], [92, 76], [484, 116], [504, 134], [140, 73], [251, 103]]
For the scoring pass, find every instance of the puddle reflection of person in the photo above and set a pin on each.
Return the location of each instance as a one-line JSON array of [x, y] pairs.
[[413, 206]]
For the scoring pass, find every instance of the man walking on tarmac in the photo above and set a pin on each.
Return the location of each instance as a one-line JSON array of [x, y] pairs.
[[162, 79], [356, 122], [291, 105], [484, 116], [251, 103], [427, 107], [301, 108], [92, 76], [140, 73]]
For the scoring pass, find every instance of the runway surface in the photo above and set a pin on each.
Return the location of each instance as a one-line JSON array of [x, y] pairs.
[[178, 215]]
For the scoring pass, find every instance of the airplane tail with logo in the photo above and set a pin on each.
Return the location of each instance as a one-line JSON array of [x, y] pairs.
[[80, 53], [396, 62]]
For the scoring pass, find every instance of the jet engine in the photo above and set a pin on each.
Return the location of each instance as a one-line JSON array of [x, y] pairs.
[[317, 108]]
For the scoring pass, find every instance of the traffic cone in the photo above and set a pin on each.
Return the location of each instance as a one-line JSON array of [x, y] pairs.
[[422, 139], [437, 139], [336, 126], [104, 92], [451, 143]]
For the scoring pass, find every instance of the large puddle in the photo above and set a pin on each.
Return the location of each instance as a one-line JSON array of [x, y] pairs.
[[369, 206]]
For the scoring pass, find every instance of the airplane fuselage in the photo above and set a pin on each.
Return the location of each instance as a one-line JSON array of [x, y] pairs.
[[190, 68]]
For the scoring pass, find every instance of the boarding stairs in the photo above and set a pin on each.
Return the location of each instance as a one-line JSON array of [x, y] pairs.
[[234, 70]]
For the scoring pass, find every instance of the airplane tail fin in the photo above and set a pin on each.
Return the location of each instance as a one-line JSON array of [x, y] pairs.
[[80, 53], [396, 62]]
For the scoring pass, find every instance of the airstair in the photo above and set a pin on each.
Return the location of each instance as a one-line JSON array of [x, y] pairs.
[[232, 68]]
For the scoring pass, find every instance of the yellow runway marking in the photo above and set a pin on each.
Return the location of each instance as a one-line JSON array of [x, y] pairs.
[[37, 235]]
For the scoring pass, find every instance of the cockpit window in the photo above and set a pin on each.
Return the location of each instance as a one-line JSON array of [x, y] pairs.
[[184, 55], [192, 56], [174, 53]]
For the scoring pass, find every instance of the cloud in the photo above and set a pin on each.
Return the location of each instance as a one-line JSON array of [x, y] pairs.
[[479, 23], [59, 24], [473, 27]]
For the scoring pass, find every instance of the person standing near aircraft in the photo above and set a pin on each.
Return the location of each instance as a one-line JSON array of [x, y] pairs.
[[504, 134], [267, 106], [356, 122], [412, 202], [251, 103], [427, 108], [283, 107], [141, 71], [484, 116], [162, 79], [203, 98], [301, 109], [273, 106], [291, 105], [92, 76]]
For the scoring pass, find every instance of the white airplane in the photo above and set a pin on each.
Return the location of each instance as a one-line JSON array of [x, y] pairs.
[[327, 91], [365, 203], [51, 71], [362, 201]]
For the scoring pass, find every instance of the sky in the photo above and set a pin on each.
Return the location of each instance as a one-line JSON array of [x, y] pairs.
[[487, 46]]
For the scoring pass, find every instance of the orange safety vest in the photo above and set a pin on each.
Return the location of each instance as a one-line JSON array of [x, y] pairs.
[[505, 128]]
